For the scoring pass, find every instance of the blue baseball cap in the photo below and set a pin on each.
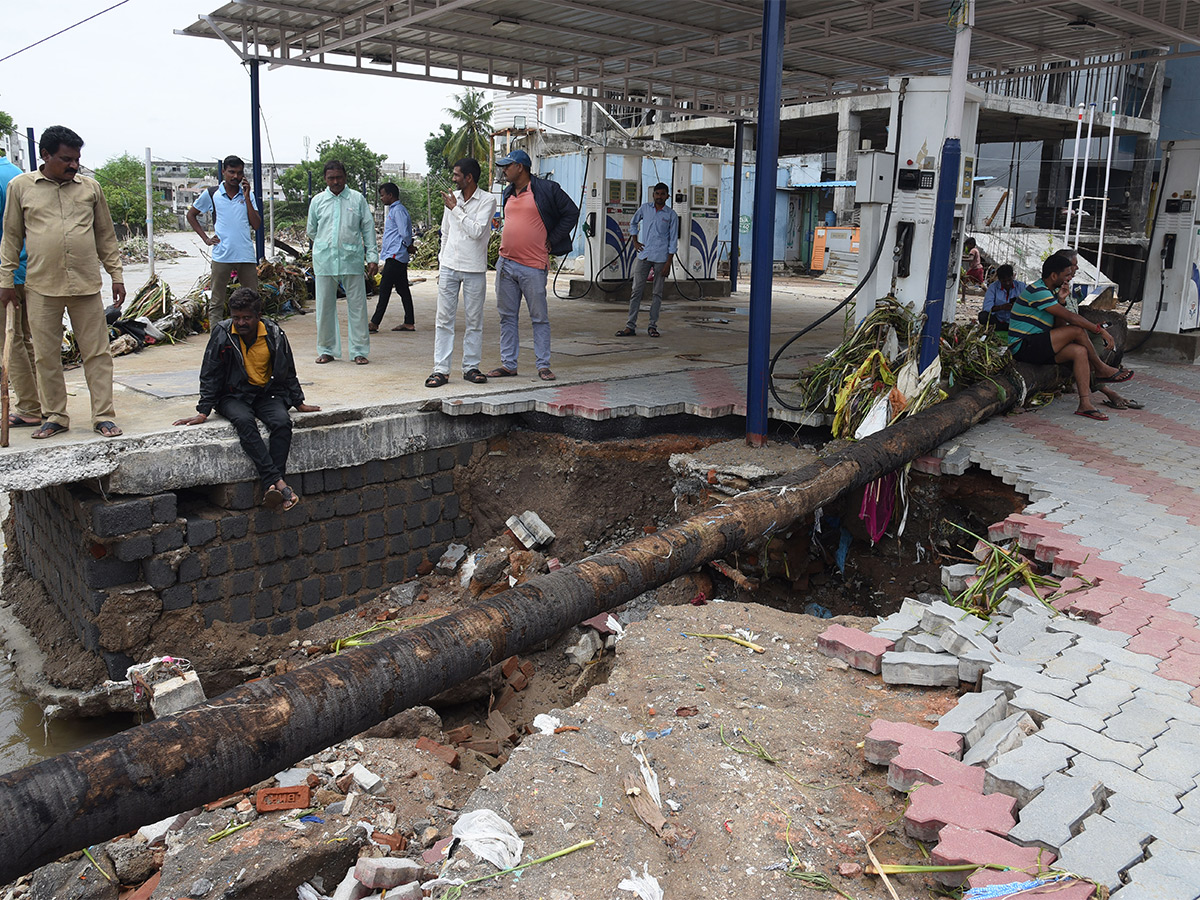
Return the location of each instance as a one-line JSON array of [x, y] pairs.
[[516, 156]]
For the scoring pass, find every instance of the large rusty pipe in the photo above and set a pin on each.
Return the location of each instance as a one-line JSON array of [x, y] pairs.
[[169, 765]]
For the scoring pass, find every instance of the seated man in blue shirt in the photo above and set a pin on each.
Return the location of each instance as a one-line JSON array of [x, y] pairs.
[[397, 243], [235, 220], [660, 228], [998, 301]]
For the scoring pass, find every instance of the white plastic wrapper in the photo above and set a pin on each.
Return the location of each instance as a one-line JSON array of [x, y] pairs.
[[489, 837], [645, 885], [545, 724]]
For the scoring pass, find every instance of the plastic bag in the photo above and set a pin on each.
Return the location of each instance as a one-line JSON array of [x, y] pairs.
[[489, 837]]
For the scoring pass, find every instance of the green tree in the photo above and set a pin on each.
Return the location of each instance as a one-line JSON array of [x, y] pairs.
[[435, 150], [199, 172], [362, 169], [474, 135], [6, 124], [123, 180]]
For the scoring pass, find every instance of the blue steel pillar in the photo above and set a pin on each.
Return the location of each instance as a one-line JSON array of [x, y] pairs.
[[739, 145], [939, 257], [766, 162], [33, 157], [260, 248]]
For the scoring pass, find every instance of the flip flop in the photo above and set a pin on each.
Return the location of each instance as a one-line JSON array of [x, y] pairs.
[[323, 358], [625, 332], [48, 429], [361, 361], [290, 498], [501, 372], [1122, 376], [272, 497], [405, 328], [1092, 414], [652, 331], [1129, 404], [546, 375], [372, 327], [15, 421], [107, 429]]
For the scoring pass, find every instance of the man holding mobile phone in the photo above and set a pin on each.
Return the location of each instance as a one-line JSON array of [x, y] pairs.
[[235, 220]]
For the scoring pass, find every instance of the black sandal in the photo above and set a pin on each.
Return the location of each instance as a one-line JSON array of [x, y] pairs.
[[474, 376], [436, 380]]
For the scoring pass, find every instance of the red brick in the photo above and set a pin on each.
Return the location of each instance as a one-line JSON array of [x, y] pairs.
[[932, 807], [915, 764], [518, 680], [509, 666], [961, 846], [460, 734], [885, 739], [394, 842], [528, 668], [272, 799], [448, 755], [144, 892], [859, 649]]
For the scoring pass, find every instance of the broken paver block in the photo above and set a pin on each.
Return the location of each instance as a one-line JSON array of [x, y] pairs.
[[933, 807], [916, 764], [448, 755], [1000, 737], [275, 798], [350, 889], [1160, 824], [915, 608], [1045, 647], [1053, 817], [940, 615], [973, 663], [176, 693], [956, 460], [1016, 599], [1046, 706], [959, 639], [1074, 665], [387, 872], [930, 669], [896, 626], [1021, 773], [1171, 870], [530, 530], [885, 739], [954, 577], [1010, 679], [855, 647], [588, 646], [1120, 780], [366, 780], [1104, 695], [973, 715], [452, 557], [1103, 850], [919, 642], [1095, 745], [961, 846], [1025, 626], [1176, 763]]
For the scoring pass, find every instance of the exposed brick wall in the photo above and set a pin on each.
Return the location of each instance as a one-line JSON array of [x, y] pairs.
[[357, 531]]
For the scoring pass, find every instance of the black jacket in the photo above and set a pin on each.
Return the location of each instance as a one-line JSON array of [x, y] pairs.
[[223, 370], [559, 213]]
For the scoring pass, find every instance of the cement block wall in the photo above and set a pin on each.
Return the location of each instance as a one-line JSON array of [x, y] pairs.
[[116, 566]]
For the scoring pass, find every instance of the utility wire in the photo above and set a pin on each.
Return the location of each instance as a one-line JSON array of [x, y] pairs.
[[64, 31]]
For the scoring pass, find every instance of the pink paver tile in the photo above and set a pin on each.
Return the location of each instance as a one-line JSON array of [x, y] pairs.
[[1189, 645], [1183, 667], [859, 649], [915, 764], [1153, 642], [1067, 560], [1094, 604], [1125, 621], [1048, 547], [1196, 697], [1172, 626], [930, 465], [885, 739], [933, 807], [960, 846], [1146, 602], [1003, 531]]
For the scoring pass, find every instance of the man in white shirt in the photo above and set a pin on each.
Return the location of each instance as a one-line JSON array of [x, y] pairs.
[[462, 262]]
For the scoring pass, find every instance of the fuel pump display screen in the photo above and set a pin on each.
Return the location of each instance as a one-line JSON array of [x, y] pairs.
[[631, 192], [1174, 206], [914, 180], [614, 191]]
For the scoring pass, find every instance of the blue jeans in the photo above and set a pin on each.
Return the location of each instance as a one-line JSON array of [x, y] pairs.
[[641, 268], [513, 281]]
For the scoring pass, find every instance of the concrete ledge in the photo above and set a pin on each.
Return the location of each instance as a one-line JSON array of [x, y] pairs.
[[1167, 347]]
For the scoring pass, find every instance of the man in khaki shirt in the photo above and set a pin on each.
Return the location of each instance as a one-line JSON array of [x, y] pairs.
[[63, 220]]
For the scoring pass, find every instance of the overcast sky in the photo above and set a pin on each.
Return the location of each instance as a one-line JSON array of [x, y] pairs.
[[125, 81]]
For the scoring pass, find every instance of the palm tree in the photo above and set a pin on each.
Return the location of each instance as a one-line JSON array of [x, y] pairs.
[[474, 135]]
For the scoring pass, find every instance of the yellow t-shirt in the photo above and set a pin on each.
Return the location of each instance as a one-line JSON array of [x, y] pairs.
[[258, 357]]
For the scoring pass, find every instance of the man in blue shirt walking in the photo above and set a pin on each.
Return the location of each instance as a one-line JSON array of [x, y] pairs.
[[397, 242], [20, 362], [235, 220], [655, 246]]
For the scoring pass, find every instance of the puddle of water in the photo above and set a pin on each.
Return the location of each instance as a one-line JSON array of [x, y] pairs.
[[732, 310]]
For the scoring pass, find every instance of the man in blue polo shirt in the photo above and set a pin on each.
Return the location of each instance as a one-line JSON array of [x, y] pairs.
[[235, 220], [20, 362], [655, 245]]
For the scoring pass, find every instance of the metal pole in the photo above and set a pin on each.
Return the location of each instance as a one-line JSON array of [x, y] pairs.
[[1112, 126], [766, 162], [947, 190], [33, 157], [256, 149], [149, 214], [1087, 153], [1074, 164], [739, 143], [271, 207]]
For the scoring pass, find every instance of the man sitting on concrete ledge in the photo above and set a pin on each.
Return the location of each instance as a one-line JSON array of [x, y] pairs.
[[1041, 332], [248, 373]]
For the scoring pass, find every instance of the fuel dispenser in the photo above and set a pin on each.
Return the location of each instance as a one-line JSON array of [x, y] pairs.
[[699, 186], [1172, 291], [916, 133], [614, 194]]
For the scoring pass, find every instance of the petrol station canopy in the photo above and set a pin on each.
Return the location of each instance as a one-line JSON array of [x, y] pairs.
[[695, 57]]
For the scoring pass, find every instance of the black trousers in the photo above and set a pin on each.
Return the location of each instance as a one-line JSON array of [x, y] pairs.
[[271, 411], [395, 275]]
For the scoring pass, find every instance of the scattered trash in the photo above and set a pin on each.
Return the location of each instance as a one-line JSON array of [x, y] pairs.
[[728, 637], [366, 780], [144, 676], [816, 609], [452, 557], [645, 885], [545, 724], [687, 711], [488, 836]]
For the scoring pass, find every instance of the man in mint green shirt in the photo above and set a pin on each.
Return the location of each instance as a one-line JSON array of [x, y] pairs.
[[342, 229]]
